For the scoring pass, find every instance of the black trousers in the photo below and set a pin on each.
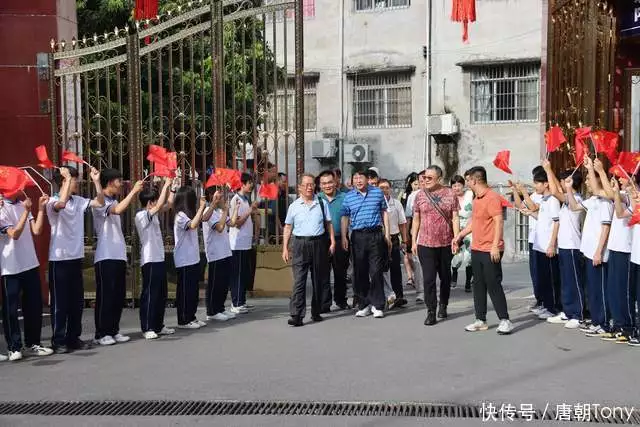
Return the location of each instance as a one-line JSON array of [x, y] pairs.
[[67, 301], [153, 298], [218, 285], [309, 254], [253, 261], [339, 262], [435, 261], [27, 282], [548, 282], [487, 278], [241, 274], [368, 251], [187, 293], [111, 291], [395, 267]]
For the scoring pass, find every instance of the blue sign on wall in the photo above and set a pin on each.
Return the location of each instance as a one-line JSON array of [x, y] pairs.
[[629, 16]]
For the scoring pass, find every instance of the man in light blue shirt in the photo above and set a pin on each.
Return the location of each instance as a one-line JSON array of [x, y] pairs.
[[309, 220]]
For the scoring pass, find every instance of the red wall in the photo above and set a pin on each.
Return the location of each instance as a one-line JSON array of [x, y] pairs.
[[26, 26]]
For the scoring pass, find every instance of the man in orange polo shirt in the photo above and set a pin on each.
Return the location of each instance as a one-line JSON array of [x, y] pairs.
[[487, 248]]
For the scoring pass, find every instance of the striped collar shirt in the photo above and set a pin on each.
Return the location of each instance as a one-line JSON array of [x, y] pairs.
[[364, 210]]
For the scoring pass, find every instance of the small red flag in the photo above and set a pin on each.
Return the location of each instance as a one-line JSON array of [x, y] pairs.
[[268, 191], [554, 138], [607, 143], [230, 177], [213, 181], [635, 217], [13, 181], [43, 157], [505, 203], [157, 154], [581, 146], [618, 171], [628, 160], [502, 161], [68, 156]]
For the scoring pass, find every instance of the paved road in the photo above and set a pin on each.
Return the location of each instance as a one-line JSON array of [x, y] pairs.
[[258, 357]]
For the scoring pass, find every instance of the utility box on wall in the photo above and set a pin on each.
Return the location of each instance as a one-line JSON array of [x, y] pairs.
[[443, 124]]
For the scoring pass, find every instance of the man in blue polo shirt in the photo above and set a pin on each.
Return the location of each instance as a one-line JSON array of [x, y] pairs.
[[309, 220], [364, 210], [339, 262]]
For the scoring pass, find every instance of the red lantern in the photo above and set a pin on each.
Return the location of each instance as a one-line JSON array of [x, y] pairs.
[[464, 11]]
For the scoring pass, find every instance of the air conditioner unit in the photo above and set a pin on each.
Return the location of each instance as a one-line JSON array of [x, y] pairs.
[[323, 148], [357, 153], [443, 124]]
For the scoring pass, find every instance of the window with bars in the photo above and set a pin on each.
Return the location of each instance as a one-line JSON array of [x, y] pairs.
[[283, 106], [505, 93], [382, 101], [371, 5], [308, 11]]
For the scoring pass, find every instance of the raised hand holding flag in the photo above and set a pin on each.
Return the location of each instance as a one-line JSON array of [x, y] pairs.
[[502, 161]]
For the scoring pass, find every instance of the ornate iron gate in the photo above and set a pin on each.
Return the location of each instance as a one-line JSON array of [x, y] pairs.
[[205, 80]]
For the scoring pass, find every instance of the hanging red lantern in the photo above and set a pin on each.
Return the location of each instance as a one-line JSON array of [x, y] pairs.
[[464, 11]]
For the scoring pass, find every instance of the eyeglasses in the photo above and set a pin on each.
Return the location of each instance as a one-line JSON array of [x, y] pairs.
[[307, 185], [428, 178]]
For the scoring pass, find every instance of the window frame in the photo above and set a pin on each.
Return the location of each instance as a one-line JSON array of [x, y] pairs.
[[382, 119], [358, 5], [310, 89]]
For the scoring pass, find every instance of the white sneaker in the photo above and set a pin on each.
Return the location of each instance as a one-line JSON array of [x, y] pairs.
[[229, 314], [420, 299], [220, 317], [545, 314], [364, 312], [391, 302], [119, 338], [3, 358], [239, 310], [558, 319], [534, 307], [378, 314], [38, 350], [190, 325], [200, 323], [477, 326], [572, 324], [505, 327], [167, 331], [105, 340], [150, 335], [15, 355], [537, 310]]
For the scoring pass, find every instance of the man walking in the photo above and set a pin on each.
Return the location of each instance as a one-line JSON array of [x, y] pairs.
[[339, 261], [435, 222], [365, 211], [487, 248], [397, 228], [309, 220]]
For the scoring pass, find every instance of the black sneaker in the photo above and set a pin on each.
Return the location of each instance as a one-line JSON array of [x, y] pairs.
[[295, 321], [442, 311], [622, 338], [431, 319], [634, 342], [60, 349], [467, 288], [317, 318], [80, 345], [401, 302], [326, 310]]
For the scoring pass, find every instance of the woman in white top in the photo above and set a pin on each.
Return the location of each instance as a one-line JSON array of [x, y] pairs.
[[411, 186], [463, 257], [186, 256]]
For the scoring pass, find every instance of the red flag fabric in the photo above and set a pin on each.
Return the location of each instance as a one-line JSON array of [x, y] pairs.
[[505, 203], [554, 138], [146, 9], [43, 157], [68, 156], [502, 161], [628, 160], [213, 181], [580, 145], [157, 154], [268, 191], [230, 177], [172, 160], [464, 11], [635, 217], [583, 133], [618, 171], [13, 181], [606, 142]]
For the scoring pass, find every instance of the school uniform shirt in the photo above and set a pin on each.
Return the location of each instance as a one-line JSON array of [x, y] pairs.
[[151, 243], [241, 238], [569, 234], [536, 198], [111, 244], [548, 215], [307, 220], [599, 212], [17, 256], [67, 228], [408, 209], [621, 234], [187, 249], [396, 215], [216, 244], [635, 245]]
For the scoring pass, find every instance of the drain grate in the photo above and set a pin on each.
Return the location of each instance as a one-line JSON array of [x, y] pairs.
[[275, 408]]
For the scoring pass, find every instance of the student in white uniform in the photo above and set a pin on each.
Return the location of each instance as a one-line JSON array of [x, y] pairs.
[[570, 259], [66, 213], [398, 231], [111, 258], [215, 228], [635, 271], [597, 225], [186, 255], [153, 297], [21, 275]]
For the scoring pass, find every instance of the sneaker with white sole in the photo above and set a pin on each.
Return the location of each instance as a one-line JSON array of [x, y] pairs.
[[105, 340], [150, 335], [190, 325], [239, 310], [585, 325], [220, 317], [420, 299], [596, 331], [3, 358], [378, 314], [505, 327], [572, 324], [167, 331], [229, 314], [534, 307], [201, 323], [119, 338], [537, 310], [14, 356], [391, 302], [38, 350], [477, 326], [364, 312], [558, 319], [545, 314]]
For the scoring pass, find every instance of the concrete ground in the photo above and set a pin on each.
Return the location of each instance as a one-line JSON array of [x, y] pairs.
[[258, 357]]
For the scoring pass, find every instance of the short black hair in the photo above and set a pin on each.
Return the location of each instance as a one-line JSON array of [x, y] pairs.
[[457, 179], [108, 175], [326, 172], [540, 176], [57, 177], [148, 195], [537, 170], [246, 178], [435, 168], [358, 172], [477, 172], [577, 178]]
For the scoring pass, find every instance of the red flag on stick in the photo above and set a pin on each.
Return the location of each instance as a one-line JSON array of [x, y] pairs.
[[13, 181], [635, 217], [43, 158], [502, 161], [157, 154], [628, 160], [580, 145], [268, 191], [68, 156], [607, 143], [213, 181], [554, 138]]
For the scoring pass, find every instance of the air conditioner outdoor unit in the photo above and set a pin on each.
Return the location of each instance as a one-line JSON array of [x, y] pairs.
[[443, 124], [357, 153], [323, 148]]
